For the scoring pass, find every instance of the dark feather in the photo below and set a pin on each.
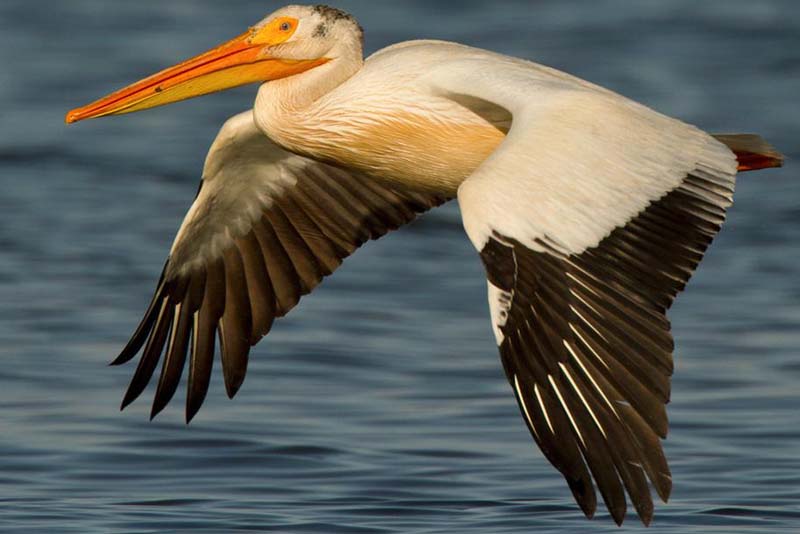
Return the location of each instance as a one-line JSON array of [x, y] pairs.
[[151, 354], [175, 355], [284, 280], [336, 227], [565, 456], [303, 260], [143, 330], [340, 195], [328, 256], [235, 324], [338, 208], [204, 332], [259, 286]]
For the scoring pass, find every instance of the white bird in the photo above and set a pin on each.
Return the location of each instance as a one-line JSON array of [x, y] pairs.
[[589, 211]]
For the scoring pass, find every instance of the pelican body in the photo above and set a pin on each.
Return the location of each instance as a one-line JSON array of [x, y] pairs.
[[589, 211]]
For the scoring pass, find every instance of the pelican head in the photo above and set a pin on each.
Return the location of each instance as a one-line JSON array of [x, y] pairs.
[[290, 41]]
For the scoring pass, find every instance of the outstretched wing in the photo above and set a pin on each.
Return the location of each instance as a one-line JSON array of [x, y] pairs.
[[265, 228], [590, 217]]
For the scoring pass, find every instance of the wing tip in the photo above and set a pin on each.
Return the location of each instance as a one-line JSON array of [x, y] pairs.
[[159, 403], [194, 401], [123, 358], [191, 412], [129, 397], [233, 387], [618, 514], [664, 486], [584, 494]]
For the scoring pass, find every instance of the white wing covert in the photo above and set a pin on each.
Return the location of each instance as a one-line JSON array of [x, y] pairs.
[[589, 217], [266, 227]]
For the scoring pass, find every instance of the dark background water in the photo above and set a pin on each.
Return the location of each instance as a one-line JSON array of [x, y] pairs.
[[379, 405]]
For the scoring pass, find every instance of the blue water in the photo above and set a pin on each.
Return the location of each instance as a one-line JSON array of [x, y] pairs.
[[379, 405]]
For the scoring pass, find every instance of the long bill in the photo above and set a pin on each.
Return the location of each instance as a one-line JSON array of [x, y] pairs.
[[237, 62]]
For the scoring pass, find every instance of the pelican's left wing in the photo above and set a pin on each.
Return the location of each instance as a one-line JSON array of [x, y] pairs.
[[589, 217], [266, 226]]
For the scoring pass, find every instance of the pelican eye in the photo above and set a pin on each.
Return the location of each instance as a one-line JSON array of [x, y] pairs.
[[285, 27]]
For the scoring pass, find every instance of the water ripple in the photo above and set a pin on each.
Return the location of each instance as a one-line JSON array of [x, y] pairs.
[[379, 405]]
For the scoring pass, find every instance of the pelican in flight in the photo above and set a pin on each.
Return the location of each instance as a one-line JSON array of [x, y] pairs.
[[589, 212]]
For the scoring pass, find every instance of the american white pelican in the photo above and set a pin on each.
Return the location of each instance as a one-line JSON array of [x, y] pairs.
[[589, 211]]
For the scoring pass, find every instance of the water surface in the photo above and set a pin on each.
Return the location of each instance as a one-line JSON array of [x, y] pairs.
[[379, 405]]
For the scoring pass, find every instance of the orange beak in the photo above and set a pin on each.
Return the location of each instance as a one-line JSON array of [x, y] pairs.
[[238, 62]]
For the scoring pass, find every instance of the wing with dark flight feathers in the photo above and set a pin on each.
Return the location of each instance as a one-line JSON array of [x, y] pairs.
[[265, 228], [590, 217], [585, 341]]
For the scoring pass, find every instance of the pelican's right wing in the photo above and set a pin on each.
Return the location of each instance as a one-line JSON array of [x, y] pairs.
[[266, 226], [589, 217]]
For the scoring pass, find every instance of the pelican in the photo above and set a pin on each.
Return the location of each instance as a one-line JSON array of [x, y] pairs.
[[589, 211]]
